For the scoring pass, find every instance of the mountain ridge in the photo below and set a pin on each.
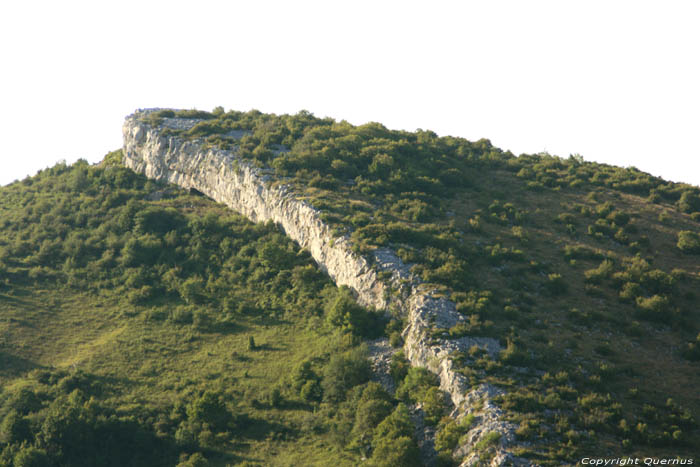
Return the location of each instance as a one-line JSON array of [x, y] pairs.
[[209, 132], [221, 176], [555, 300]]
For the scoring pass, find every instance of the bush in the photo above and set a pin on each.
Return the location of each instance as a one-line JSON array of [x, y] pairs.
[[513, 354], [372, 407], [603, 271], [195, 460], [416, 384], [434, 405], [447, 438], [656, 306], [209, 408], [15, 428], [556, 285], [348, 315], [396, 452], [399, 367], [689, 202], [192, 289], [489, 439], [688, 242], [181, 315], [345, 371], [396, 425], [29, 456], [630, 291], [395, 339]]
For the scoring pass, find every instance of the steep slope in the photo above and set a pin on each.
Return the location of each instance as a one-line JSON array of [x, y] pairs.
[[484, 256], [142, 325]]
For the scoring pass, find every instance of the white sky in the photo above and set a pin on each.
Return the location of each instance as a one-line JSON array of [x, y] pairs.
[[616, 81]]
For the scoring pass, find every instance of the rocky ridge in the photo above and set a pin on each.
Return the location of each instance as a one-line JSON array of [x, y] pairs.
[[250, 191]]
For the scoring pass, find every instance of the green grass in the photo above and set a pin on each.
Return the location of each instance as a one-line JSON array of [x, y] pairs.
[[122, 317], [154, 365]]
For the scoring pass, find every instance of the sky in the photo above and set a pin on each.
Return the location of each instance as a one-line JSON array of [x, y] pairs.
[[617, 82]]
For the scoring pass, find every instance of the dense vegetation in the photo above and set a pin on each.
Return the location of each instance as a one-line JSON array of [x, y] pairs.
[[555, 257], [142, 325]]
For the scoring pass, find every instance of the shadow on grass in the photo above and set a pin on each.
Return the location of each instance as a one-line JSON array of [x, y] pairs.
[[258, 429], [267, 346], [12, 366], [89, 384]]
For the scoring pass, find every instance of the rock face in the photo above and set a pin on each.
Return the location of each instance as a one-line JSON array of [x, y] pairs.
[[250, 191]]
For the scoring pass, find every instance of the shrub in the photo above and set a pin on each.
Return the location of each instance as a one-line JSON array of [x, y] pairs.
[[473, 327], [274, 397], [655, 306], [396, 452], [195, 460], [15, 428], [395, 339], [446, 439], [581, 252], [395, 425], [209, 408], [202, 320], [489, 439], [416, 384], [689, 202], [29, 456], [345, 371], [373, 406], [346, 314], [597, 275], [434, 405], [399, 367], [192, 290], [630, 291], [513, 354], [556, 285], [688, 242]]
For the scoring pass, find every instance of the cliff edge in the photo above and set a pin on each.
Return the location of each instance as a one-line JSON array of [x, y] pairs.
[[254, 193]]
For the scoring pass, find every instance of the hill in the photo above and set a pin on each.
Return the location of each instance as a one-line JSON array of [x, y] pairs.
[[574, 329], [143, 325]]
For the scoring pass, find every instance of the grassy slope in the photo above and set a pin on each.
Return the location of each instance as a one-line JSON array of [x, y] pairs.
[[139, 357], [644, 354], [152, 365]]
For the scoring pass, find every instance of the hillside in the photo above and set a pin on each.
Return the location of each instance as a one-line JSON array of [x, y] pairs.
[[142, 325], [574, 284]]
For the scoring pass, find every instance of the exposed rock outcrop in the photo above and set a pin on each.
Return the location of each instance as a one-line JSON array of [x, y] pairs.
[[250, 191]]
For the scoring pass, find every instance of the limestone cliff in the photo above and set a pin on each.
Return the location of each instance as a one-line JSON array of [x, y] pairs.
[[254, 193]]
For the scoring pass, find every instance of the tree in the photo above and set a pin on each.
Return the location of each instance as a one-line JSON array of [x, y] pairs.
[[689, 202], [346, 314], [434, 405], [373, 407], [209, 408], [15, 428], [393, 441], [29, 456], [396, 452], [344, 371]]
